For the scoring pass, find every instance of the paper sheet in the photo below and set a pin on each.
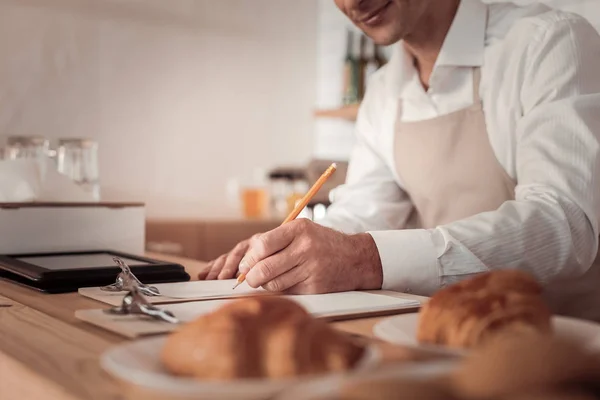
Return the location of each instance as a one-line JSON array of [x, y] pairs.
[[333, 305], [180, 291]]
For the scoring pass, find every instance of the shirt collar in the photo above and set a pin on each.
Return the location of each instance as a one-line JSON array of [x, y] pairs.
[[465, 41], [464, 46]]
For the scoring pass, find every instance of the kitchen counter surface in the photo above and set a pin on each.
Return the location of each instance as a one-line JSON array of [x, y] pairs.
[[46, 353]]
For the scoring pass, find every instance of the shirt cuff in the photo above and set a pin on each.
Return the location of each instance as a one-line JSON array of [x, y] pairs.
[[409, 261]]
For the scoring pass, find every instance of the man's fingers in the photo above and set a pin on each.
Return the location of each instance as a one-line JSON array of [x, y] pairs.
[[288, 279], [230, 267], [269, 269], [232, 261], [267, 244], [244, 265], [204, 273], [216, 268]]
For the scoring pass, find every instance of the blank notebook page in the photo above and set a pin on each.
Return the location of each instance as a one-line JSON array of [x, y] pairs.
[[319, 305]]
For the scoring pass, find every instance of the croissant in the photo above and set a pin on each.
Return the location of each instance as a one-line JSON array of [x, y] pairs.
[[553, 395], [528, 367], [394, 389], [260, 337], [469, 313]]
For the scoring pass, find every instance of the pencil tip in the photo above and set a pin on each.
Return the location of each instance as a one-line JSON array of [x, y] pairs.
[[236, 285]]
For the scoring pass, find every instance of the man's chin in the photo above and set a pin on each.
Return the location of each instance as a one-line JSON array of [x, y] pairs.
[[387, 42], [384, 37]]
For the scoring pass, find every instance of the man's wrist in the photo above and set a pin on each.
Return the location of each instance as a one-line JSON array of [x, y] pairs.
[[368, 269]]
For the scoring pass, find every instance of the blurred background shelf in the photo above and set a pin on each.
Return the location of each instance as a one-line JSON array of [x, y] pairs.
[[349, 112]]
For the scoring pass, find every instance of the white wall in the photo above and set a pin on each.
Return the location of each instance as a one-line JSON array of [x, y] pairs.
[[335, 138], [181, 94]]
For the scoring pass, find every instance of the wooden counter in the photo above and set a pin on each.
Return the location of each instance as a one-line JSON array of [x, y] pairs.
[[202, 239], [46, 353]]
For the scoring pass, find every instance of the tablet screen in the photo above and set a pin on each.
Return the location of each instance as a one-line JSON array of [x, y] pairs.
[[78, 261]]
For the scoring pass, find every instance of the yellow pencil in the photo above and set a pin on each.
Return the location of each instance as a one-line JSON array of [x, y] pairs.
[[301, 204]]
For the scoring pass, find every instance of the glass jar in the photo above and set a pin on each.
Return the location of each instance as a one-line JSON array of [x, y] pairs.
[[78, 159], [280, 188], [32, 147], [299, 190]]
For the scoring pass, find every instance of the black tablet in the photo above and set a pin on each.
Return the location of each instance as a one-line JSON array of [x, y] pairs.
[[67, 272]]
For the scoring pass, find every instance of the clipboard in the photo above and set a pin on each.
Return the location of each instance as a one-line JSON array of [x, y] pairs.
[[330, 307], [179, 292]]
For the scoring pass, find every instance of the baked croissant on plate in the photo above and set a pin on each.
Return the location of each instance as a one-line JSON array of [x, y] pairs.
[[521, 367], [260, 337], [528, 367], [468, 313], [394, 389]]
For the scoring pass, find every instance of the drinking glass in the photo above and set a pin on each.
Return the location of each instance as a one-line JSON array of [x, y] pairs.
[[78, 159], [33, 147], [254, 202]]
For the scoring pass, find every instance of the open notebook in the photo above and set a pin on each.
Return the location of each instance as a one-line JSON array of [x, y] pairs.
[[332, 306], [179, 292]]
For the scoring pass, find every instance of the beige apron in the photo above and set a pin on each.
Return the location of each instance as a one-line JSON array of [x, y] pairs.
[[448, 167], [450, 171]]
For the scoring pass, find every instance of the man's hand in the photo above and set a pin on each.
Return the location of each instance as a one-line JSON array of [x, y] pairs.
[[226, 266], [303, 257]]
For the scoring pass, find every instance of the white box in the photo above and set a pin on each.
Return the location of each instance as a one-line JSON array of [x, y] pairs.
[[63, 227]]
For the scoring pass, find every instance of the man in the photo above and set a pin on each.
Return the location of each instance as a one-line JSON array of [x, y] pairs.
[[483, 133]]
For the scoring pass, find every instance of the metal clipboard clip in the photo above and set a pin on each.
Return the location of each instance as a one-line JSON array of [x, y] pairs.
[[134, 303], [126, 281]]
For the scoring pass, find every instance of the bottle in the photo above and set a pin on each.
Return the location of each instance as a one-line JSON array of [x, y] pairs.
[[371, 64], [351, 73], [362, 67], [281, 187], [299, 189], [380, 59]]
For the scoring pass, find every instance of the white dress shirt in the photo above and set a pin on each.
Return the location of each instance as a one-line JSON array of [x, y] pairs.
[[541, 94]]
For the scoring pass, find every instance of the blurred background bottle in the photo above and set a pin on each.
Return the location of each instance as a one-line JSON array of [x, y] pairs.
[[281, 186], [363, 58], [380, 59], [351, 93], [371, 64], [299, 190], [363, 62], [373, 59]]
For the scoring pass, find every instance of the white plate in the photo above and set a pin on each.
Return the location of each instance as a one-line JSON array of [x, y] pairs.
[[330, 387], [402, 330], [138, 363]]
